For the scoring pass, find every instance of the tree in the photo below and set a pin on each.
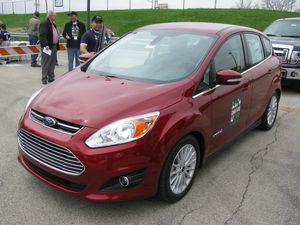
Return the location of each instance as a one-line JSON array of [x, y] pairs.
[[283, 5], [244, 4]]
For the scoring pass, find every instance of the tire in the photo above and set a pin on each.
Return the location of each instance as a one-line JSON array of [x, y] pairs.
[[270, 115], [172, 187]]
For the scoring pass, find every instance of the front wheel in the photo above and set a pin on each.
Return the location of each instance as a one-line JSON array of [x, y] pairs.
[[269, 117], [179, 170]]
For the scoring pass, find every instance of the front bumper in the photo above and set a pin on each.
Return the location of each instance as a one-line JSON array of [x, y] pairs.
[[290, 73], [101, 165]]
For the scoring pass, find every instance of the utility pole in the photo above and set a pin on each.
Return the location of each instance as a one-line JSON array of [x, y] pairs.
[[106, 4], [46, 2], [215, 4], [242, 4], [25, 7], [88, 15], [13, 7], [155, 4], [152, 3], [69, 5], [129, 4], [2, 7], [53, 5], [37, 6], [183, 4]]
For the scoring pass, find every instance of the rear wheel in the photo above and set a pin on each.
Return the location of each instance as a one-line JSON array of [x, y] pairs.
[[179, 170], [269, 117]]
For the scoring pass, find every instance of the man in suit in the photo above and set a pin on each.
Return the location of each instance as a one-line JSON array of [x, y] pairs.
[[49, 39]]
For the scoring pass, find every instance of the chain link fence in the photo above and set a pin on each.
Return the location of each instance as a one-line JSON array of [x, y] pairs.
[[29, 6]]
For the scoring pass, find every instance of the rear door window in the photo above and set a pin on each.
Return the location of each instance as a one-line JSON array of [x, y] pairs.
[[255, 49]]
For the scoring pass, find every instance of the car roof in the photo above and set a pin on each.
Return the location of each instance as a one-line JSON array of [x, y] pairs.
[[291, 18], [210, 28]]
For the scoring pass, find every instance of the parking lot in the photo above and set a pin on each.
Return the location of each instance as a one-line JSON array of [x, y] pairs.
[[255, 180]]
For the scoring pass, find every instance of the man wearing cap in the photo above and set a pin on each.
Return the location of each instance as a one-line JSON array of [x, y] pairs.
[[93, 40], [73, 32]]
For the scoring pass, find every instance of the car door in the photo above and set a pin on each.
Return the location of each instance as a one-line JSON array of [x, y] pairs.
[[230, 103], [262, 71]]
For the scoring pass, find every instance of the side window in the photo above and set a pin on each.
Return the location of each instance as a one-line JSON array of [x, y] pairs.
[[255, 48], [231, 55], [205, 82], [268, 47]]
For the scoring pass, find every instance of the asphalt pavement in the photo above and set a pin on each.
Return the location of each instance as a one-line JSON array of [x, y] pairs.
[[254, 181]]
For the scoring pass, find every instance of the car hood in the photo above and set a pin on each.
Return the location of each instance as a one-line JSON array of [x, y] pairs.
[[94, 101], [285, 41]]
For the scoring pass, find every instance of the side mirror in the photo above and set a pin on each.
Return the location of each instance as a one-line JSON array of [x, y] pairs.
[[86, 57], [228, 77]]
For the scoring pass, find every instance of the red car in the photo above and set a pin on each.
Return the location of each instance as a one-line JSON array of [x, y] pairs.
[[139, 118]]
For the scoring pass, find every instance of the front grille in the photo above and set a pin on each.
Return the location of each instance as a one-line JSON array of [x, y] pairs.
[[61, 125], [57, 180], [282, 53], [49, 154]]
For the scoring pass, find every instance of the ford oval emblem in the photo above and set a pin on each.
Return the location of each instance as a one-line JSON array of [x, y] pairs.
[[49, 121]]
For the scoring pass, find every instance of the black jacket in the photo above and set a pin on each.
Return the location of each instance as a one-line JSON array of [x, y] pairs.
[[46, 35], [73, 43]]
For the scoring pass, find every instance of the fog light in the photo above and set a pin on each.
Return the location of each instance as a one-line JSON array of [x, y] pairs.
[[294, 74], [124, 181]]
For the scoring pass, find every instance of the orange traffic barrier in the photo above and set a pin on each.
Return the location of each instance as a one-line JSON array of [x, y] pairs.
[[24, 50]]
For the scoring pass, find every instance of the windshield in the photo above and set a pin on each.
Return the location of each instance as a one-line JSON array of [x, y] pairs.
[[284, 28], [158, 56]]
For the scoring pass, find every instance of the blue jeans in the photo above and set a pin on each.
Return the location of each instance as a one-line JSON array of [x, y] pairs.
[[73, 54], [33, 41]]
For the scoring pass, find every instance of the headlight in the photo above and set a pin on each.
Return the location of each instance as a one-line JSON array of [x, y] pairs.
[[32, 98], [295, 57], [123, 131]]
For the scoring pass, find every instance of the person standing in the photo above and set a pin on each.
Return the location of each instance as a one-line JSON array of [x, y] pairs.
[[33, 30], [73, 32], [93, 40], [49, 39], [4, 39], [4, 36]]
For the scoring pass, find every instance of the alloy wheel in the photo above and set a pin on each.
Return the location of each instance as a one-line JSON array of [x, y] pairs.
[[272, 110], [183, 169]]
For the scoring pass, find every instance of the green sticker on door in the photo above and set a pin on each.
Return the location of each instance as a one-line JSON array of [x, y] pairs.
[[235, 115]]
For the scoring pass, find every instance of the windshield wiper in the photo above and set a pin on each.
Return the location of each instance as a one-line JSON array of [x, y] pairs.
[[113, 76], [271, 35], [291, 36]]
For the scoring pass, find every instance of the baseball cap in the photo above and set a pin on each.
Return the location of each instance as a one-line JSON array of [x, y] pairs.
[[72, 13], [97, 18]]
